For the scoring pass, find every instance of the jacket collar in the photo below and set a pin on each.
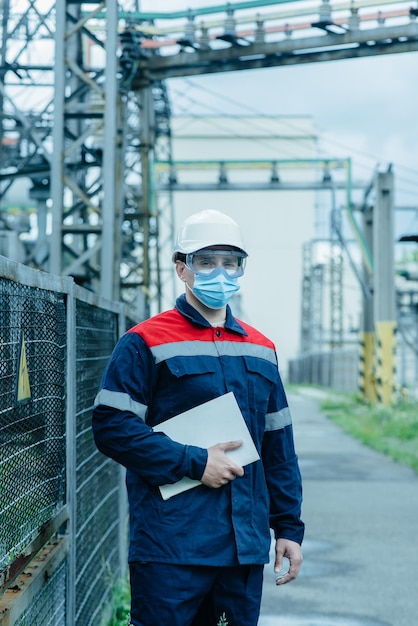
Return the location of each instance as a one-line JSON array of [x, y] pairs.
[[195, 317]]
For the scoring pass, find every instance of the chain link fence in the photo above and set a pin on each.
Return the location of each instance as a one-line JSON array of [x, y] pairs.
[[48, 607], [340, 369], [337, 369], [32, 427], [63, 510]]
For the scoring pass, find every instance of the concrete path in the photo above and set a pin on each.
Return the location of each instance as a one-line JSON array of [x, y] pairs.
[[361, 547]]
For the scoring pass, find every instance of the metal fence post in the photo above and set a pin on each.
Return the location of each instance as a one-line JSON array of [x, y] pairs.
[[71, 452], [123, 496]]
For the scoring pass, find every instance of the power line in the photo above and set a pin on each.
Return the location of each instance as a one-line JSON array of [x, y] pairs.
[[288, 123], [260, 141]]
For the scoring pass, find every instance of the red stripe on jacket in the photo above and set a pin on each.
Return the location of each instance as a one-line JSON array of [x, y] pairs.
[[171, 327]]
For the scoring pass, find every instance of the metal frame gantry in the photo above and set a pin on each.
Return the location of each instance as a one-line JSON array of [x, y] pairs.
[[104, 133], [241, 40], [89, 147], [83, 138]]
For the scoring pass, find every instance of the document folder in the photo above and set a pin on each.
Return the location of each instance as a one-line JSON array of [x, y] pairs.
[[217, 421]]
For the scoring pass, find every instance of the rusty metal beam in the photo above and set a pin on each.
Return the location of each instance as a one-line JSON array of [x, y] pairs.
[[9, 574], [29, 583]]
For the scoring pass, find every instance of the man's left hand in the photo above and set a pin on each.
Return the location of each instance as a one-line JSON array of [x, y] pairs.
[[292, 551]]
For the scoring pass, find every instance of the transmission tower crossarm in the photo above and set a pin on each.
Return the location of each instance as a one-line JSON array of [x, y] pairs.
[[327, 32], [202, 63]]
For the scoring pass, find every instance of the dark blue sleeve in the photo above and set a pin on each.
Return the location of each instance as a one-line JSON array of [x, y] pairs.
[[281, 466], [119, 419]]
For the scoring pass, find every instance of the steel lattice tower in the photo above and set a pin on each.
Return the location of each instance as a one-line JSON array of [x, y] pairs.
[[71, 123]]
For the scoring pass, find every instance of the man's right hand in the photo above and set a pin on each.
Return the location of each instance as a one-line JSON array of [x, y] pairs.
[[219, 469]]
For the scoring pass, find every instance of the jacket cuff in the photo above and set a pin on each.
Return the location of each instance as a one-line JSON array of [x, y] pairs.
[[196, 459], [294, 534]]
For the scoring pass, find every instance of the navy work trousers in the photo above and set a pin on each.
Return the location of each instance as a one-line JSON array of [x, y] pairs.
[[179, 595]]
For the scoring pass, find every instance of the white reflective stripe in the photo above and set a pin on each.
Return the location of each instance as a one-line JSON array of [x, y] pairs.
[[183, 348], [209, 348], [278, 420], [121, 401]]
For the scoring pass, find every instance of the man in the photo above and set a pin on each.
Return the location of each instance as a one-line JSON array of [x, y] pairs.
[[197, 558]]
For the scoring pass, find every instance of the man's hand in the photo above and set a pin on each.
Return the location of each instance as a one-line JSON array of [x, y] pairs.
[[219, 469], [292, 551]]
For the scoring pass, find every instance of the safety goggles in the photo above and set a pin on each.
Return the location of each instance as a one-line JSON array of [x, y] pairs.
[[210, 262]]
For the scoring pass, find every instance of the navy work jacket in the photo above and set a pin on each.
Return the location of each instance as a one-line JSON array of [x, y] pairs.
[[166, 365]]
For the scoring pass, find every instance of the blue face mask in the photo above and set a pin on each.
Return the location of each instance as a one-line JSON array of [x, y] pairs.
[[216, 290]]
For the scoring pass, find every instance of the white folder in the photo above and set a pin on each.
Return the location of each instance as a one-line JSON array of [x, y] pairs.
[[217, 421]]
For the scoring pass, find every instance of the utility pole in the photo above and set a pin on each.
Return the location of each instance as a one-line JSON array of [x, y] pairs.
[[367, 379], [306, 329], [384, 306], [112, 167], [336, 278], [146, 150]]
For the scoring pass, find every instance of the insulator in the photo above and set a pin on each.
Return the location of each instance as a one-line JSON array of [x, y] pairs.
[[326, 177], [223, 178], [354, 19], [287, 30], [204, 40], [172, 177], [260, 32], [190, 29], [230, 23], [325, 11], [274, 173]]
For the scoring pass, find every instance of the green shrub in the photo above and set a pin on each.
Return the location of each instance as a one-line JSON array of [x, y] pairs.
[[391, 430], [121, 605]]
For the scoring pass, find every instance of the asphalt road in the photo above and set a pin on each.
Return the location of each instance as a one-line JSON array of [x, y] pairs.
[[361, 544]]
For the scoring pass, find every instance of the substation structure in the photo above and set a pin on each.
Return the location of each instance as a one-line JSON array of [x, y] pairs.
[[85, 119], [85, 132]]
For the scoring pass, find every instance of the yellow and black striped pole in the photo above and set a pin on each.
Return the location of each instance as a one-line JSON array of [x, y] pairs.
[[385, 362], [367, 379]]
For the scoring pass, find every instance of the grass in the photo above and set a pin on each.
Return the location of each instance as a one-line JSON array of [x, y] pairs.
[[390, 430], [121, 605]]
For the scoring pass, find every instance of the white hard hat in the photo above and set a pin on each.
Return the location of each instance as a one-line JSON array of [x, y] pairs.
[[205, 229]]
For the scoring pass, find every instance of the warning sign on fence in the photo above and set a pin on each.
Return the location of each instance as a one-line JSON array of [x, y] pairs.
[[23, 394]]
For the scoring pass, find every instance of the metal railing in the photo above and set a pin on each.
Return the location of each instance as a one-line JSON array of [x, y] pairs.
[[63, 510]]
